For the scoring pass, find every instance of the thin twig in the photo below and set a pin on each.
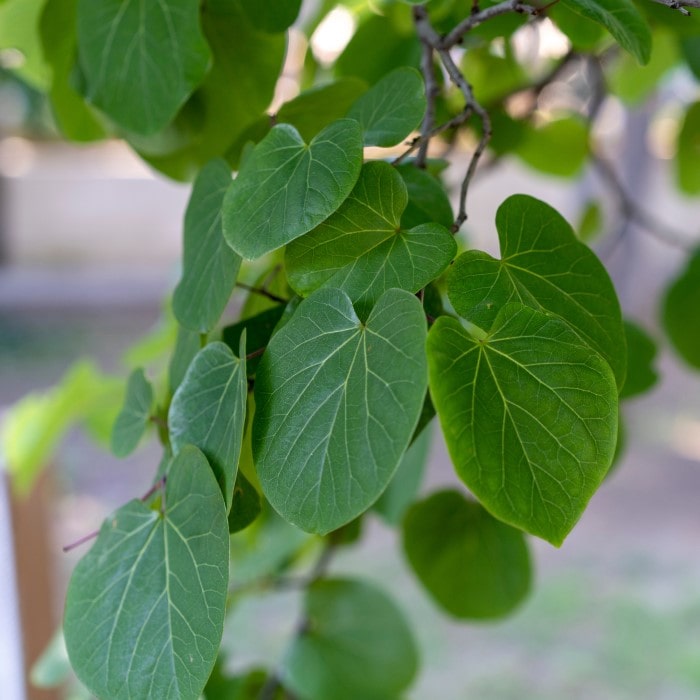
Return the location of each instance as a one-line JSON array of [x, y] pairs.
[[255, 353], [262, 292], [432, 90]]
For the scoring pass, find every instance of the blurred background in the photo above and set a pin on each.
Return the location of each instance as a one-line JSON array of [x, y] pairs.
[[89, 244]]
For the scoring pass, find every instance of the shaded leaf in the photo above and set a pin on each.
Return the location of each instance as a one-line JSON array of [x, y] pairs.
[[356, 645], [208, 411], [545, 266], [245, 505], [641, 353], [141, 60], [473, 566], [362, 249], [258, 330], [427, 200], [145, 607], [336, 404], [272, 17], [285, 187], [210, 267], [187, 345], [529, 414], [133, 420]]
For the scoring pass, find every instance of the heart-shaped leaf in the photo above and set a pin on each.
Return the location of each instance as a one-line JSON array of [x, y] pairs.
[[286, 187], [544, 266], [208, 411], [473, 565], [390, 110], [356, 645], [145, 607], [336, 404], [131, 423], [141, 59], [209, 266], [529, 413], [362, 249]]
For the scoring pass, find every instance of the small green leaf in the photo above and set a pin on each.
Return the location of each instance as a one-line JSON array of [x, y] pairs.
[[474, 566], [336, 404], [402, 489], [545, 266], [272, 17], [258, 329], [145, 606], [141, 59], [208, 410], [287, 187], [245, 505], [18, 30], [641, 352], [529, 414], [210, 266], [362, 249], [356, 645], [688, 151], [622, 19], [557, 148], [427, 200], [187, 345], [590, 222], [133, 420], [392, 108], [680, 311]]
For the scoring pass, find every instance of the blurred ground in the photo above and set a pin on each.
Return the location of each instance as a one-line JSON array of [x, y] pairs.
[[615, 613]]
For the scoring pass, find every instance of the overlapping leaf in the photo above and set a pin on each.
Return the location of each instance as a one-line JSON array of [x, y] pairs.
[[141, 58], [356, 645], [286, 187], [473, 565], [208, 411], [145, 607], [543, 265], [131, 423], [529, 413], [390, 110], [336, 404], [427, 200], [209, 265], [362, 249], [641, 374]]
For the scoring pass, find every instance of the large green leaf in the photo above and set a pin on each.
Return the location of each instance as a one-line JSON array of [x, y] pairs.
[[286, 187], [680, 312], [392, 108], [208, 410], [356, 645], [473, 565], [18, 30], [210, 267], [272, 16], [141, 58], [145, 607], [529, 414], [545, 266], [622, 19], [133, 420], [362, 249], [337, 401], [688, 151], [642, 350]]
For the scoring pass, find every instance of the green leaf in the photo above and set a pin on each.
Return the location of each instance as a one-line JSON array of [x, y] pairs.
[[688, 151], [474, 566], [245, 687], [258, 328], [427, 200], [210, 267], [133, 420], [362, 249], [356, 645], [641, 353], [74, 117], [622, 19], [590, 222], [557, 148], [680, 311], [584, 34], [286, 187], [18, 30], [529, 414], [208, 410], [245, 505], [187, 345], [690, 50], [145, 607], [141, 58], [392, 108], [272, 17], [545, 266], [493, 77], [337, 401], [402, 489]]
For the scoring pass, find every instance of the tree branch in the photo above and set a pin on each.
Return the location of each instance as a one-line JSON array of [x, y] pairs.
[[432, 90]]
